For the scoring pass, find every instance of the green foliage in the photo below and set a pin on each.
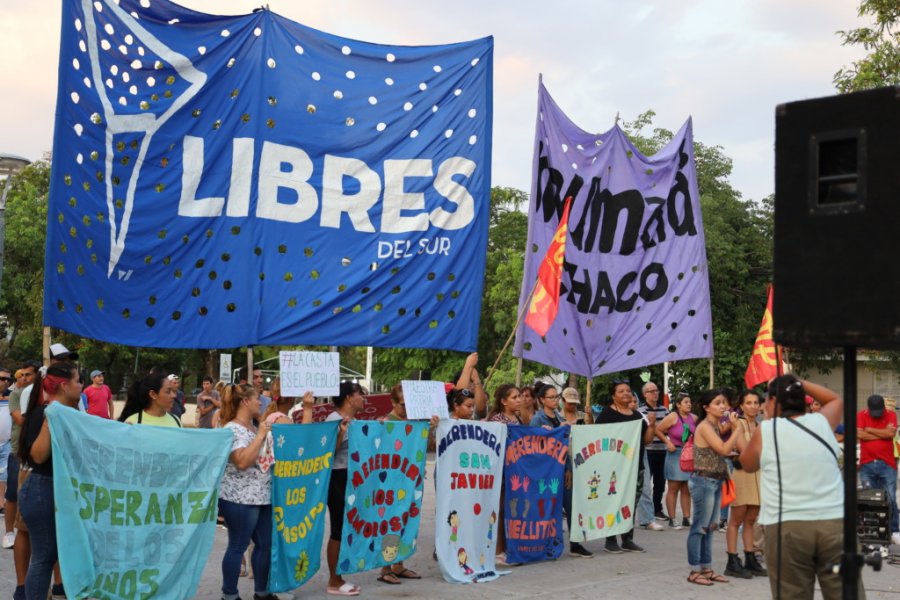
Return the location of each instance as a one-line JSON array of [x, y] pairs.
[[23, 261], [881, 41]]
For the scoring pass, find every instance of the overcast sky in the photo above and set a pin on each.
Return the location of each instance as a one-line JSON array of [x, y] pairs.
[[726, 63]]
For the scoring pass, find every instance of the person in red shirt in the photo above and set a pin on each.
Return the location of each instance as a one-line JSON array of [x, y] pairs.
[[99, 397], [876, 429]]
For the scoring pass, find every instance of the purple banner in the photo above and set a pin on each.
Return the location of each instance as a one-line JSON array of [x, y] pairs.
[[635, 288]]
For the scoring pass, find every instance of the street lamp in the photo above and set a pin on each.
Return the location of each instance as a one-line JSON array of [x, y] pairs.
[[10, 164]]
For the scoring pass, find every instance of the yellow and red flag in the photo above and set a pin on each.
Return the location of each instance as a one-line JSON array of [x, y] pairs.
[[545, 299], [763, 364]]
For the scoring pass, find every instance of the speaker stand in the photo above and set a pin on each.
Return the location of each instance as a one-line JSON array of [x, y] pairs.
[[852, 561]]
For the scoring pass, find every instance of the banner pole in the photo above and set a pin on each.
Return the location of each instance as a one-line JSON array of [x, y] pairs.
[[587, 399], [519, 372], [515, 329], [249, 365]]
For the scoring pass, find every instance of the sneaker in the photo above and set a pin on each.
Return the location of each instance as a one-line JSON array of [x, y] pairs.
[[630, 546], [661, 516], [723, 526], [653, 526], [674, 525], [895, 538], [58, 592], [612, 546], [579, 550], [265, 597], [19, 594], [9, 539], [685, 522]]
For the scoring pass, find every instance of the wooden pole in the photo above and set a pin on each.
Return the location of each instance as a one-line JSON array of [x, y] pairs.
[[46, 344], [249, 365], [519, 372], [511, 335], [587, 399]]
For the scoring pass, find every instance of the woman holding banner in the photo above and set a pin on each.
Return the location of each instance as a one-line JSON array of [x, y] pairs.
[[245, 494], [507, 403], [710, 471], [149, 402], [36, 502], [675, 430], [349, 402], [620, 411]]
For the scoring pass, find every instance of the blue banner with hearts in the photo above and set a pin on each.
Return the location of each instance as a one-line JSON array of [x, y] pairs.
[[534, 473], [300, 476], [385, 478]]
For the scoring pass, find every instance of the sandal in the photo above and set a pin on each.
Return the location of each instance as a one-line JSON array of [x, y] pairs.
[[390, 577], [697, 578], [712, 576], [346, 589], [406, 574]]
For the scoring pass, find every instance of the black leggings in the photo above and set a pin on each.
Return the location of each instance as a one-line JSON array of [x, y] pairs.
[[337, 500]]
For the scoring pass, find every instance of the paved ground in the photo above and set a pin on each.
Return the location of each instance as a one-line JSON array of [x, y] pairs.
[[659, 573]]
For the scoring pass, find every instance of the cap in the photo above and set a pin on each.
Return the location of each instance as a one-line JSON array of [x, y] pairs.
[[571, 395], [172, 377], [876, 406], [60, 352], [96, 372]]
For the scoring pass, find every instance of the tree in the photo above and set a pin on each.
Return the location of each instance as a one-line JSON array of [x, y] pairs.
[[881, 40]]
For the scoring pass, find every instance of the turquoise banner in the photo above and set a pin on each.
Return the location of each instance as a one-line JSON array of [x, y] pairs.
[[136, 505], [385, 478], [300, 476]]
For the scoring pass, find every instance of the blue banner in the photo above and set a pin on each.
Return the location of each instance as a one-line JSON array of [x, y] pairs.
[[534, 479], [224, 181], [135, 505], [385, 478], [303, 455]]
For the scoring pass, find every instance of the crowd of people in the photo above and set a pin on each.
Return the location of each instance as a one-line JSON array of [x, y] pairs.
[[784, 490]]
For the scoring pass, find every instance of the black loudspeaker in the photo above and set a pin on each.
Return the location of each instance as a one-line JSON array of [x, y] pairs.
[[837, 221]]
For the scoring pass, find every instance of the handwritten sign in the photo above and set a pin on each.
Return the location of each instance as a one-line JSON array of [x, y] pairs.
[[316, 372], [424, 399]]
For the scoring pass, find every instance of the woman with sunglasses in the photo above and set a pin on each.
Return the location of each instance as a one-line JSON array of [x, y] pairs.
[[36, 496], [461, 404], [675, 430]]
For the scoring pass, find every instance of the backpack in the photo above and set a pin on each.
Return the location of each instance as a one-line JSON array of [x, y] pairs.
[[686, 460]]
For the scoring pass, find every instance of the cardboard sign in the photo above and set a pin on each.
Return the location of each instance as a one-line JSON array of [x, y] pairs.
[[316, 372], [424, 399]]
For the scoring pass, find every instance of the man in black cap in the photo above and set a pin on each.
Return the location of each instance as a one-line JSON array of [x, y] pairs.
[[876, 429]]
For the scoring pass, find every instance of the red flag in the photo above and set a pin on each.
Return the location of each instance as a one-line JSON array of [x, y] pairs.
[[763, 364], [545, 299]]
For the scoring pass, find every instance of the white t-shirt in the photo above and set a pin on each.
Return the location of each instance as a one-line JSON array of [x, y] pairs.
[[245, 486], [5, 421]]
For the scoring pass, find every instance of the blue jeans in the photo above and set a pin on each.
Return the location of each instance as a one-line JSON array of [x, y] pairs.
[[706, 495], [878, 474], [246, 522], [36, 508], [645, 512]]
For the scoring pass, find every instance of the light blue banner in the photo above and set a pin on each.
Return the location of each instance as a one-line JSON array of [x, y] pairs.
[[385, 480], [136, 505], [300, 476]]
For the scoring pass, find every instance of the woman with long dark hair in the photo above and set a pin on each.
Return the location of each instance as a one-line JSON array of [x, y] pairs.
[[745, 507], [36, 502], [507, 402], [245, 493], [149, 401], [710, 470], [675, 430], [350, 401]]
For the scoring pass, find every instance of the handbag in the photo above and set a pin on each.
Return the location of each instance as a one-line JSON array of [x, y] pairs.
[[728, 493], [686, 460]]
